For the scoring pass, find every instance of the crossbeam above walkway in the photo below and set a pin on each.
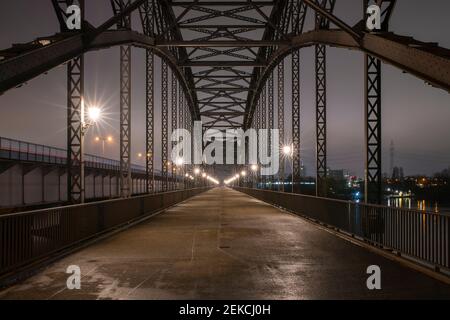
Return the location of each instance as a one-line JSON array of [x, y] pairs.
[[223, 244]]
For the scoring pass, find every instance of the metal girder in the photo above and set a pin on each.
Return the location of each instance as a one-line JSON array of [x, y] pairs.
[[222, 43], [280, 118], [373, 178], [298, 19], [174, 121], [220, 3], [372, 111], [222, 64], [148, 22], [322, 22], [270, 115], [75, 93], [164, 124], [75, 108], [125, 102], [321, 121]]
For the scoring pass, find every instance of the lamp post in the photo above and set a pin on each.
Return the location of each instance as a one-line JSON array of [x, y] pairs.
[[288, 152], [103, 140], [93, 115], [254, 168]]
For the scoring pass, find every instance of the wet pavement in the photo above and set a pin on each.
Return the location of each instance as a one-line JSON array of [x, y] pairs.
[[223, 244]]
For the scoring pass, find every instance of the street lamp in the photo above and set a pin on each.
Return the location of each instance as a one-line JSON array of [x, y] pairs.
[[93, 116], [103, 140], [288, 150]]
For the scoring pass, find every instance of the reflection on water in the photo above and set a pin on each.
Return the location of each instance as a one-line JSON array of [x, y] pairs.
[[422, 205]]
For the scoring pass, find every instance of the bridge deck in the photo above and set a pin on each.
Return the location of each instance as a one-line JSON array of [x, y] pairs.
[[224, 244]]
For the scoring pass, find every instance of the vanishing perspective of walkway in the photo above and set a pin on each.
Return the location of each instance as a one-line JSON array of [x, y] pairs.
[[223, 244]]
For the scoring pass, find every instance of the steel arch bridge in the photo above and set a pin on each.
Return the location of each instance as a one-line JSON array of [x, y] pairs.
[[224, 57]]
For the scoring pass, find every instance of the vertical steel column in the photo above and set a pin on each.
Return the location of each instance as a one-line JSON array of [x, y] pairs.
[[281, 120], [75, 106], [174, 116], [321, 121], [271, 121], [148, 22], [164, 123], [258, 127], [181, 117], [125, 121], [321, 102], [372, 111], [75, 87], [263, 123], [296, 165], [125, 104], [150, 175]]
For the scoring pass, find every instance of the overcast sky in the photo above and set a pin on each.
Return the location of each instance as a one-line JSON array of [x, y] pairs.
[[415, 115]]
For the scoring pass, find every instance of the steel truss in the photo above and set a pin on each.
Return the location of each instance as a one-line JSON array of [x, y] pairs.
[[75, 88], [263, 123], [148, 22], [126, 187], [321, 101], [174, 125], [372, 110], [75, 108], [299, 13], [164, 124], [270, 118], [281, 120]]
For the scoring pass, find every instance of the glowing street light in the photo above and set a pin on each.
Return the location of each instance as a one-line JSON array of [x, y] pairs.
[[287, 150], [103, 140], [196, 171], [243, 173], [94, 113], [254, 167]]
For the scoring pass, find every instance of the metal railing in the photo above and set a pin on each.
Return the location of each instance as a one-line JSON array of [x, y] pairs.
[[28, 237], [11, 149], [423, 236]]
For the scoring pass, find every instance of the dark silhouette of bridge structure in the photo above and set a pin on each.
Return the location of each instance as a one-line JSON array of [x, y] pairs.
[[221, 62]]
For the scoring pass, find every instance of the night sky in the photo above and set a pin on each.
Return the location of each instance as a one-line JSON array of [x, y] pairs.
[[415, 115]]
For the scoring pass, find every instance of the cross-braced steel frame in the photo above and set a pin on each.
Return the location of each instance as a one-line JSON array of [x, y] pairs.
[[321, 101], [148, 22], [280, 118], [299, 13], [75, 109], [228, 92], [174, 126], [164, 124]]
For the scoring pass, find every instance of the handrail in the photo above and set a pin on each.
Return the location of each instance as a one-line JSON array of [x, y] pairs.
[[421, 236]]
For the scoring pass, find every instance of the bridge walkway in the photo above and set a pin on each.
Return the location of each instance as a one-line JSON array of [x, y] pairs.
[[223, 244]]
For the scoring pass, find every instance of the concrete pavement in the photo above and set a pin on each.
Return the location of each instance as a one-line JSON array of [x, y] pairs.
[[223, 244]]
